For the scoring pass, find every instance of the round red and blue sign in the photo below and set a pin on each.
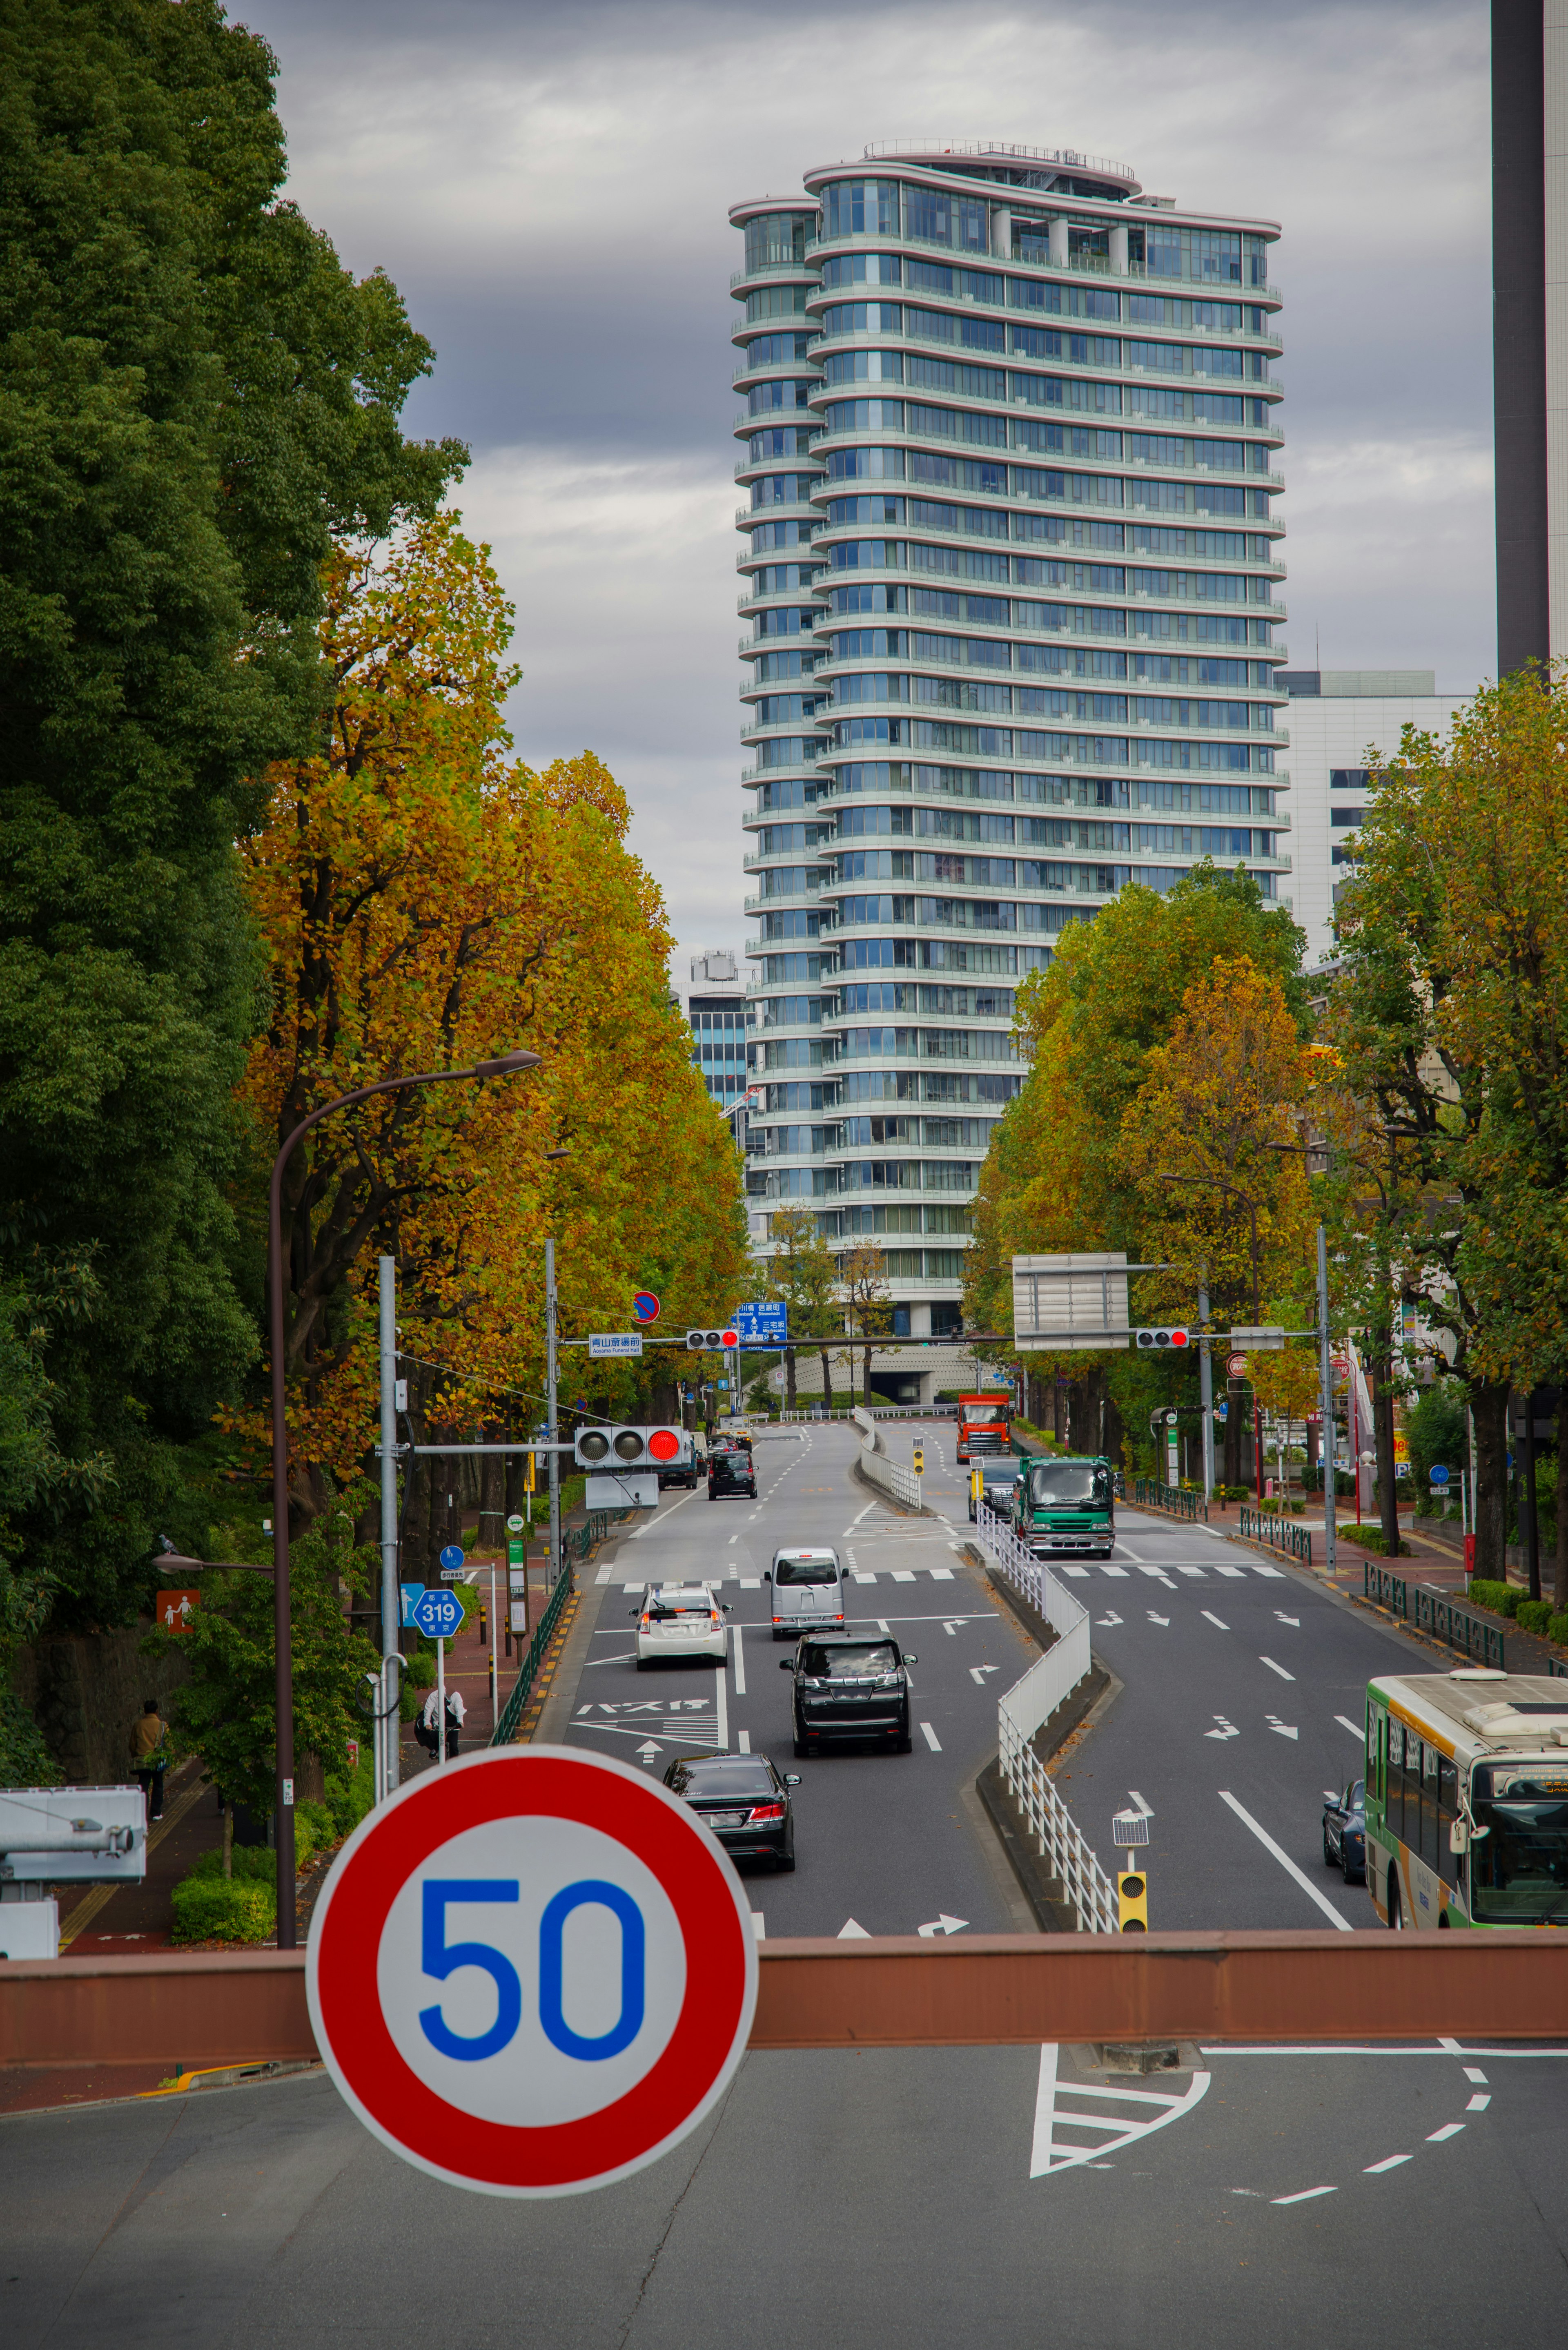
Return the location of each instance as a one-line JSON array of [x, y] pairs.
[[532, 1972], [644, 1306]]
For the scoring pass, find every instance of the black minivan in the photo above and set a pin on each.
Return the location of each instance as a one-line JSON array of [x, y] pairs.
[[847, 1688]]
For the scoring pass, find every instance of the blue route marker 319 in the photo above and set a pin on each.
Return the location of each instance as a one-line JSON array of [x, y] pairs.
[[438, 1615]]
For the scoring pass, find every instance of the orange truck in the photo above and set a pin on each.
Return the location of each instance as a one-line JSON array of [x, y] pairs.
[[984, 1424]]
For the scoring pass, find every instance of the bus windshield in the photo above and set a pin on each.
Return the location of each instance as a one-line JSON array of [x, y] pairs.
[[1518, 1871], [1070, 1485]]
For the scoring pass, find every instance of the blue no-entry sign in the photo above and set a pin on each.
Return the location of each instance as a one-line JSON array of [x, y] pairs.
[[532, 1972], [453, 1557], [438, 1614]]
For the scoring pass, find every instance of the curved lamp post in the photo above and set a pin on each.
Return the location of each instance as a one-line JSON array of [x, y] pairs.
[[506, 1065]]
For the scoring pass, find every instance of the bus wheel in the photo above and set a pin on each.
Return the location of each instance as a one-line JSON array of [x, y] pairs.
[[1395, 1911]]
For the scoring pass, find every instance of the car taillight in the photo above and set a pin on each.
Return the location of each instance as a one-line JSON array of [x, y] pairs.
[[766, 1812]]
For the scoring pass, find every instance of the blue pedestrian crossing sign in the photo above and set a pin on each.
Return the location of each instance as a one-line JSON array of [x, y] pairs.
[[438, 1614], [410, 1594], [452, 1557]]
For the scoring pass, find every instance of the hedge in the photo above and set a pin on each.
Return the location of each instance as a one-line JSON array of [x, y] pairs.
[[1371, 1538], [1497, 1598], [212, 1908]]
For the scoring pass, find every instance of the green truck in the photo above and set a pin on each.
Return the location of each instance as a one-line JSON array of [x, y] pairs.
[[1066, 1506]]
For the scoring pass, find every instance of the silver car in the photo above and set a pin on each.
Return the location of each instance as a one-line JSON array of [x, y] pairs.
[[808, 1588]]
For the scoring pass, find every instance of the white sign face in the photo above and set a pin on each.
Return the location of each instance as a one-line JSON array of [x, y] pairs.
[[615, 1342], [532, 1973]]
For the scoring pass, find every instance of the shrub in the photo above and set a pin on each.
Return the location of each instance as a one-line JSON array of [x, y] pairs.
[[1558, 1629], [1371, 1538], [1533, 1616], [25, 1760], [1498, 1599], [253, 1864], [210, 1908], [349, 1797]]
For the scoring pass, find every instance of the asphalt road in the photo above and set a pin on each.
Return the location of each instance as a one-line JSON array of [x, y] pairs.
[[1010, 2197]]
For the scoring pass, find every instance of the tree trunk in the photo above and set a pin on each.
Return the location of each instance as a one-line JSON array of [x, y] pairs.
[[1382, 1438], [866, 1375], [1234, 1406], [789, 1378], [826, 1379], [1489, 1403], [1560, 1576], [228, 1837], [1114, 1432]]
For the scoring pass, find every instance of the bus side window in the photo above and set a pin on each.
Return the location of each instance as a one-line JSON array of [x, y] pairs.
[[1429, 1836], [1394, 1799], [1447, 1862]]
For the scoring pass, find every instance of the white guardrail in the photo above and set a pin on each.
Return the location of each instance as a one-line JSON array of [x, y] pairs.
[[900, 1483], [1030, 1703]]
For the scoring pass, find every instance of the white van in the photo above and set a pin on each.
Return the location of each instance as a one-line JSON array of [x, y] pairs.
[[808, 1588]]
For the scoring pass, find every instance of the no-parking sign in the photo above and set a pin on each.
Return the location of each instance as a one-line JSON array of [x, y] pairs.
[[532, 1973]]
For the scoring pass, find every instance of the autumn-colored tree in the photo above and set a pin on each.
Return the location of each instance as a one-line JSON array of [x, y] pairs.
[[866, 1306], [426, 901]]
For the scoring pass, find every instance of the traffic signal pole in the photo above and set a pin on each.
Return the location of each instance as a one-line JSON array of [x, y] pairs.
[[1326, 1447], [554, 1567], [1206, 1391]]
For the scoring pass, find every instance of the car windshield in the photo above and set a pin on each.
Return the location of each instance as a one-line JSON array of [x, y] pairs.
[[1004, 1472], [1069, 1484], [842, 1662], [805, 1570], [727, 1778], [1518, 1871]]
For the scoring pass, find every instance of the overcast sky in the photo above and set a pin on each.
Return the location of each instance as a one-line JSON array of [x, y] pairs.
[[549, 186]]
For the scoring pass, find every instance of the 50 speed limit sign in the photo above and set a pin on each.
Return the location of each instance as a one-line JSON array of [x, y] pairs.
[[532, 1973]]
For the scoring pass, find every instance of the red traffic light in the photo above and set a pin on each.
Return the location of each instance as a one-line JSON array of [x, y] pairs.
[[663, 1443], [730, 1338]]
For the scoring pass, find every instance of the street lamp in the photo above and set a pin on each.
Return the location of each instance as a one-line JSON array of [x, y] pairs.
[[505, 1065]]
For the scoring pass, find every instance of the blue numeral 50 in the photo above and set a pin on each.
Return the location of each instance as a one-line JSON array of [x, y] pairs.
[[442, 1958]]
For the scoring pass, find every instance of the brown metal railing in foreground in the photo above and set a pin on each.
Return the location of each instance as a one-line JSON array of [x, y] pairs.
[[184, 2010]]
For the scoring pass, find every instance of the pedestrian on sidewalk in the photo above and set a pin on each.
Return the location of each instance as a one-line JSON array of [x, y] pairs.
[[455, 1713], [147, 1746], [427, 1727]]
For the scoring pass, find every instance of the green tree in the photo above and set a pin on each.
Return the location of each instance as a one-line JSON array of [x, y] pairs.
[[866, 1306], [194, 395], [800, 1273]]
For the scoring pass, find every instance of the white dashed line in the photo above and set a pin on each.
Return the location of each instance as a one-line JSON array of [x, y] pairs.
[[1478, 2104], [1389, 2162], [1449, 2129], [1346, 1723], [1215, 1620], [1306, 2195], [1276, 1668], [1287, 1864], [935, 1743]]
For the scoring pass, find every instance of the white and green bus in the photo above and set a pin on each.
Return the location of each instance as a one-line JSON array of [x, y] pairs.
[[1466, 1799]]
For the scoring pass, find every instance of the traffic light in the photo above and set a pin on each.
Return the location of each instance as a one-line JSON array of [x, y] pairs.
[[919, 1460], [1132, 1901], [703, 1342], [1161, 1338], [627, 1448]]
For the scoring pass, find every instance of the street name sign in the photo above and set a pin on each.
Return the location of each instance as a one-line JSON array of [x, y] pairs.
[[437, 1613], [615, 1342], [532, 1973]]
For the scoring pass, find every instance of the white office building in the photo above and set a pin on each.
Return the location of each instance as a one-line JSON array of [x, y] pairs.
[[1336, 717], [1010, 595]]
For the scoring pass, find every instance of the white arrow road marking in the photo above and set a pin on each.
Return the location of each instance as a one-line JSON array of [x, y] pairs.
[[1275, 1724], [1346, 1723], [1049, 2153], [1288, 1619], [1307, 1886], [646, 1754], [1158, 1619], [1226, 1729], [929, 1736], [950, 1626], [1141, 1803], [943, 1925], [976, 1673], [1215, 1620], [852, 1931], [1276, 1668], [1104, 1621]]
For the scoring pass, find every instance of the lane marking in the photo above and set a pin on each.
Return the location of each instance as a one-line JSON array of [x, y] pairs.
[[1237, 1574], [654, 1523], [1202, 1572], [739, 1654], [1160, 1619], [623, 1657], [1276, 1668], [1140, 1804], [1472, 2074], [1306, 2195], [1106, 1568], [1480, 2102], [1389, 2162], [1126, 1552], [1449, 2129], [1215, 1620], [743, 1742], [1346, 1723], [1288, 1865], [759, 1926], [1049, 2153], [853, 1931], [929, 1736], [722, 1706], [750, 1582]]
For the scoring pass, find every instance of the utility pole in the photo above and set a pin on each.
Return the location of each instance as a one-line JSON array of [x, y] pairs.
[[553, 1569], [1325, 1406], [1206, 1391], [389, 1687]]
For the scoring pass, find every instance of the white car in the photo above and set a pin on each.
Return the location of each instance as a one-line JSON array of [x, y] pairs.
[[682, 1620], [808, 1588]]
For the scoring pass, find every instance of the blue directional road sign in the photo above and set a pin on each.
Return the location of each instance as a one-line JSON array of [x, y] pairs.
[[438, 1615], [1440, 1475], [763, 1324], [453, 1557]]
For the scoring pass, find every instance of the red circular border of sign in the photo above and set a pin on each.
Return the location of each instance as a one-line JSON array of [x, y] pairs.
[[637, 1296], [508, 2155]]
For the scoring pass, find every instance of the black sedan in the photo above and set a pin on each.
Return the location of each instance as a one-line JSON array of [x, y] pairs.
[[744, 1800], [1345, 1830], [730, 1471], [850, 1688]]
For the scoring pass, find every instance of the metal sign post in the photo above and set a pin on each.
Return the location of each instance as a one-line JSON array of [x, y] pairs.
[[553, 1568], [388, 1748]]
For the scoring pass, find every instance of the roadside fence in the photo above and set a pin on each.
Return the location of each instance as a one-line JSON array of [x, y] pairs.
[[900, 1483], [1153, 1493], [505, 1730], [1026, 1708], [1449, 1620], [1281, 1534]]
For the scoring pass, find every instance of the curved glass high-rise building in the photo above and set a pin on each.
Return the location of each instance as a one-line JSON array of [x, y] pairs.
[[1010, 594]]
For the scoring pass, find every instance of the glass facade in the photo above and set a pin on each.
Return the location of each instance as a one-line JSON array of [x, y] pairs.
[[1028, 616]]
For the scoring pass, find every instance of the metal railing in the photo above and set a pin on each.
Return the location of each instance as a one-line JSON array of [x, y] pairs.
[[900, 1483], [1280, 1533], [505, 1730], [1153, 1493], [1449, 1620], [1025, 1709]]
